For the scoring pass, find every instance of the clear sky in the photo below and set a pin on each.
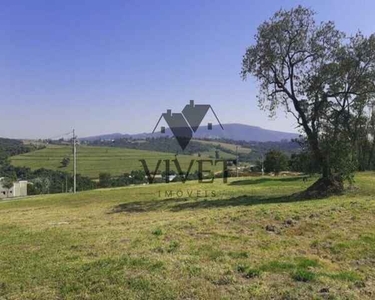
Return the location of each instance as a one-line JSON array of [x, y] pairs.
[[115, 66]]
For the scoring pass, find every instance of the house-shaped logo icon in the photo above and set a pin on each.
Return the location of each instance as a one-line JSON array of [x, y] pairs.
[[183, 125]]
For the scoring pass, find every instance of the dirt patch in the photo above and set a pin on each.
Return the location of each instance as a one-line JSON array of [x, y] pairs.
[[322, 188]]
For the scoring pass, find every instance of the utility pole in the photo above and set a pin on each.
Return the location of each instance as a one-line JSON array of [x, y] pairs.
[[237, 161], [74, 162], [262, 165]]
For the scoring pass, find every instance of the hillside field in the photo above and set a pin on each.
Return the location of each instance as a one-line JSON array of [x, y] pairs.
[[231, 147], [241, 240], [94, 160]]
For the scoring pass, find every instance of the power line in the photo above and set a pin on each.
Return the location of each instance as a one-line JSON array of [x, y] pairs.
[[74, 141], [74, 162], [57, 136], [74, 144], [237, 159]]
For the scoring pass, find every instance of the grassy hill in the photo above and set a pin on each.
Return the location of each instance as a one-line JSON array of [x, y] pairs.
[[93, 160], [231, 147], [242, 240], [249, 152], [212, 153]]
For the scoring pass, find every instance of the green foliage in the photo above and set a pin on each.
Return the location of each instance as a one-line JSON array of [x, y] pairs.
[[247, 151], [321, 77], [134, 177], [104, 180], [46, 181], [217, 154], [41, 185], [7, 182], [275, 161], [65, 162], [138, 176], [303, 162], [10, 147]]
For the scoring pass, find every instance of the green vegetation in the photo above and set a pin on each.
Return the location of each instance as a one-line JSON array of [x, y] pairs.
[[324, 78], [160, 144], [275, 162], [9, 147], [222, 154], [247, 151], [247, 241], [95, 160], [43, 181], [228, 146]]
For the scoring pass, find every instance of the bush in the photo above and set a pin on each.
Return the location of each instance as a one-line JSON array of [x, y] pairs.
[[105, 180], [276, 161]]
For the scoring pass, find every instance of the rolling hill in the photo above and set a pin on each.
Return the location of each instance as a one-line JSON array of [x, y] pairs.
[[94, 160], [227, 146], [236, 132]]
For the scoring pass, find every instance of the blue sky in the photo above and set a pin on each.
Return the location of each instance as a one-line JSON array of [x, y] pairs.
[[115, 66]]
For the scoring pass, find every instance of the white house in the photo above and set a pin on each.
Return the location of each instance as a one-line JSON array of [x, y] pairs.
[[19, 189]]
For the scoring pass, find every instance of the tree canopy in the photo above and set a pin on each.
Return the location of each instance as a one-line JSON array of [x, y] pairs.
[[275, 161], [318, 74]]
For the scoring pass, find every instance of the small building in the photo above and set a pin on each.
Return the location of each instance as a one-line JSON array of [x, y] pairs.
[[19, 189]]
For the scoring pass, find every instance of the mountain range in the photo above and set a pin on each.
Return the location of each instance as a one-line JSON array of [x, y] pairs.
[[234, 131]]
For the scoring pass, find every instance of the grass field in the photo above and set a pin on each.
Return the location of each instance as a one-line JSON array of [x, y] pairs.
[[231, 147], [241, 240], [222, 154], [93, 160]]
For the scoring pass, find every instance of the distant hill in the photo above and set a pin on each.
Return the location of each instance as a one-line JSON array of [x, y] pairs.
[[236, 132]]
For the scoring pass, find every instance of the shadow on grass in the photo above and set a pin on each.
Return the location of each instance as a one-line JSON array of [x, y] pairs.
[[263, 180], [180, 204], [147, 206]]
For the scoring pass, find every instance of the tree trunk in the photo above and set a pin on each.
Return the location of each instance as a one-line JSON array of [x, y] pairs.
[[371, 155], [326, 169], [319, 156], [328, 184]]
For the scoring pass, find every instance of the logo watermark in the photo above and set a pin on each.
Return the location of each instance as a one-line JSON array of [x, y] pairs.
[[183, 126], [187, 193], [203, 169]]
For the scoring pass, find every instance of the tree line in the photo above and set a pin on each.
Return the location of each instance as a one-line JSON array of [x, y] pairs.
[[170, 145], [44, 181], [10, 147]]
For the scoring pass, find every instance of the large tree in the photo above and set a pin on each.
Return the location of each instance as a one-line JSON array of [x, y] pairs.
[[276, 161], [320, 76]]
